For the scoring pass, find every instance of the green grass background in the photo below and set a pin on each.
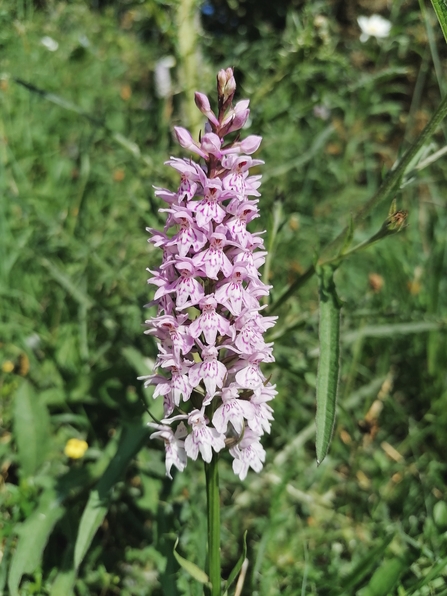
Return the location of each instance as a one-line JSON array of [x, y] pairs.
[[79, 152]]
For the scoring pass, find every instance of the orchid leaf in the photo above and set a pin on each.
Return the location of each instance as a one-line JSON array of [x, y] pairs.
[[191, 568]]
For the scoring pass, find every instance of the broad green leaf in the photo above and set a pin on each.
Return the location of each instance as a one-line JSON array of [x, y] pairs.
[[236, 569], [366, 565], [31, 429], [33, 537], [329, 362], [386, 577], [191, 568], [98, 502], [441, 12]]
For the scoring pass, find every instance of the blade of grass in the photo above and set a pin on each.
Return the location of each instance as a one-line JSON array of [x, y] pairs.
[[238, 566], [440, 8], [433, 48]]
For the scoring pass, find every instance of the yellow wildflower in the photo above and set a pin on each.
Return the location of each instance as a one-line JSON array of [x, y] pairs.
[[75, 448], [7, 366]]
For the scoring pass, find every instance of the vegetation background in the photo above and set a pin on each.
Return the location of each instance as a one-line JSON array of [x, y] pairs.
[[84, 130]]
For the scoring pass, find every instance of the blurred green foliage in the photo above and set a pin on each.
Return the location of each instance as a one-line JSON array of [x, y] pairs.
[[83, 137]]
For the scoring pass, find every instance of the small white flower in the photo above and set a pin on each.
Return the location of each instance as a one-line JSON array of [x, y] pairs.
[[50, 43], [373, 26]]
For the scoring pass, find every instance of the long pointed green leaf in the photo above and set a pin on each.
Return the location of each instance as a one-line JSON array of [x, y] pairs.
[[31, 428], [33, 536], [193, 570], [235, 571], [329, 362], [441, 12], [98, 503]]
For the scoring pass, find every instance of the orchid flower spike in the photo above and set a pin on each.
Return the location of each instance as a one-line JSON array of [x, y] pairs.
[[209, 366]]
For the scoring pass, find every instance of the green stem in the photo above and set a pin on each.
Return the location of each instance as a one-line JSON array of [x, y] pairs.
[[388, 187], [213, 513], [189, 60]]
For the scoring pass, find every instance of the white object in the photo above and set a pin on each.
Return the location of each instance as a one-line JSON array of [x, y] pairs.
[[373, 26], [50, 43], [162, 76]]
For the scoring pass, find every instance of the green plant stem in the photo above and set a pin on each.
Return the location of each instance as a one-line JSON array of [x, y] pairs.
[[189, 60], [213, 513], [388, 187]]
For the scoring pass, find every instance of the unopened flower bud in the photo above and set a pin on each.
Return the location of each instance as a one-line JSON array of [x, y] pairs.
[[183, 137], [226, 86], [237, 117], [187, 142], [203, 103]]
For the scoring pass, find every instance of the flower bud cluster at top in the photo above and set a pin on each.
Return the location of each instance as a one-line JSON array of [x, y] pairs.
[[209, 327]]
